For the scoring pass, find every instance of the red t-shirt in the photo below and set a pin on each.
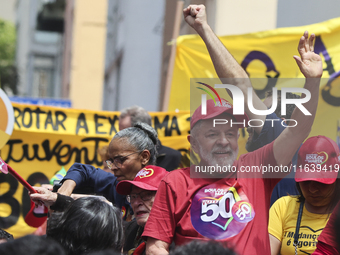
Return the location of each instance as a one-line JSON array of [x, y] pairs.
[[234, 211], [327, 244]]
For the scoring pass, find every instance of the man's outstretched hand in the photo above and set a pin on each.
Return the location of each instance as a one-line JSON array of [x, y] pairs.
[[309, 62], [43, 196], [195, 16]]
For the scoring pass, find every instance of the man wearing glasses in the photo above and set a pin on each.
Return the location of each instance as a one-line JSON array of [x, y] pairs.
[[141, 193]]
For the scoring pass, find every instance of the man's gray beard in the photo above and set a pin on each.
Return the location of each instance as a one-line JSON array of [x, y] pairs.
[[210, 160]]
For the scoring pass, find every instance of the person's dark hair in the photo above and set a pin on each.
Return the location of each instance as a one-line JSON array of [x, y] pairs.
[[335, 199], [5, 235], [88, 224], [289, 107], [32, 245], [202, 248], [143, 137], [137, 114]]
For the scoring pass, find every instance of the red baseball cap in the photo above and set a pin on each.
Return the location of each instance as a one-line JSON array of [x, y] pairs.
[[148, 178], [318, 152], [215, 110], [37, 215]]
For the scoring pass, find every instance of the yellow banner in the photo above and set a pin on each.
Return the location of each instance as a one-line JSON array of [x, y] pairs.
[[263, 55], [267, 54], [46, 138]]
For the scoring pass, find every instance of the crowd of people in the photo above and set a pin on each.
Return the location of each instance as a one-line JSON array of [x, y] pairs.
[[151, 207]]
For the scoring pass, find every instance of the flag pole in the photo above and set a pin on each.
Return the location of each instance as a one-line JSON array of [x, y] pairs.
[[175, 33]]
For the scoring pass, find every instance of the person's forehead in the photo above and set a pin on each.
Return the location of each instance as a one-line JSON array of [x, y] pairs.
[[119, 145], [124, 122]]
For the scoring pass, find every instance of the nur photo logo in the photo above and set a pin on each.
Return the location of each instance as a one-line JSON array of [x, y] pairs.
[[239, 103]]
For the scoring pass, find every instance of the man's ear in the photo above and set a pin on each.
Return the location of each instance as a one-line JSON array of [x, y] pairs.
[[145, 157], [188, 137], [193, 143]]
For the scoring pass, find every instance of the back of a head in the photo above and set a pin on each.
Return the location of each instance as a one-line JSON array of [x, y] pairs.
[[32, 245], [137, 114], [143, 137], [202, 248], [5, 236], [87, 225]]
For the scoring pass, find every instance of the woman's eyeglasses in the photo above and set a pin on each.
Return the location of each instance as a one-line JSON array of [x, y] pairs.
[[117, 161]]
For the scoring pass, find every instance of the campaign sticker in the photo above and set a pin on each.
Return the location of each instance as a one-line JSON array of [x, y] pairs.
[[318, 158], [145, 172], [123, 211], [219, 211], [243, 211]]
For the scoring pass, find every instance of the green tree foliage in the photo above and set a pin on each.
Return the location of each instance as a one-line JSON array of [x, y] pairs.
[[8, 70]]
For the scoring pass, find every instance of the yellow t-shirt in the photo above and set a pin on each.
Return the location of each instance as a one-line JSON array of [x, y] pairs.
[[282, 224]]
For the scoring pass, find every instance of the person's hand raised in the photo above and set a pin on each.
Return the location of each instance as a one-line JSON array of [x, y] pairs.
[[309, 62], [43, 196], [195, 16]]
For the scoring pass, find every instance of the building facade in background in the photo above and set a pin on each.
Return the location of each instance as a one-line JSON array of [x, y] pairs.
[[84, 52], [133, 54], [39, 48], [111, 54]]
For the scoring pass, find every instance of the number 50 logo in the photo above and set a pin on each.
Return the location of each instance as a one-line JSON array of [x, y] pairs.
[[243, 211], [222, 206], [220, 211]]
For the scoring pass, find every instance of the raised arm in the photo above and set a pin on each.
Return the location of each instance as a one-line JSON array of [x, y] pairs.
[[50, 199], [81, 175], [310, 65], [225, 64]]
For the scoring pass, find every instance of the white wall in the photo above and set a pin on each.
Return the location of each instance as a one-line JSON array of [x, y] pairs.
[[305, 12], [7, 10], [244, 16], [139, 39]]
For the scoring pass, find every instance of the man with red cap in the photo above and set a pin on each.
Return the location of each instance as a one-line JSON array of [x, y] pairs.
[[141, 192], [231, 207]]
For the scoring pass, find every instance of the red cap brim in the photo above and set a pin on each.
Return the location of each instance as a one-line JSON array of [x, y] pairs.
[[124, 187], [326, 177], [36, 219], [322, 180]]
